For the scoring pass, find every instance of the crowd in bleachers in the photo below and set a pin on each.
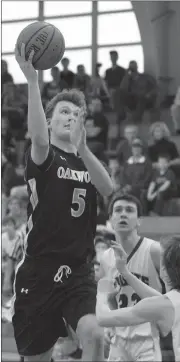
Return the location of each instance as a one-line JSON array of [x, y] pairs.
[[145, 165]]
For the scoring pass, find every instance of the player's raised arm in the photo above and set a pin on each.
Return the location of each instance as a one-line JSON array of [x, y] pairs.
[[99, 176], [142, 289], [37, 125]]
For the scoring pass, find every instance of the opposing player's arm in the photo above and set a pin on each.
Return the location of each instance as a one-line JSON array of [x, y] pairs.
[[99, 175], [37, 124], [148, 310], [142, 289], [104, 267]]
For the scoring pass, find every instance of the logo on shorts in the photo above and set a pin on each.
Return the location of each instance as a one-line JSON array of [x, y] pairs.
[[64, 270], [24, 291]]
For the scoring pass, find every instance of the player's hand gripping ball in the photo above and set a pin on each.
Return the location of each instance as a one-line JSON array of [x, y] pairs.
[[45, 40]]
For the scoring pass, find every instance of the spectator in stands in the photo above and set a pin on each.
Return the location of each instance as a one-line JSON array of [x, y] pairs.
[[95, 137], [82, 81], [138, 92], [137, 173], [6, 77], [14, 110], [8, 143], [17, 209], [8, 235], [113, 77], [124, 148], [163, 186], [95, 109], [67, 75], [99, 88], [175, 112], [10, 174], [115, 172], [115, 74], [54, 87], [161, 144]]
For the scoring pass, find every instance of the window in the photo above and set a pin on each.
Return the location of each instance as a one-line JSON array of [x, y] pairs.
[[12, 10], [126, 53], [114, 5], [76, 31], [76, 57], [118, 28], [14, 70], [10, 33], [52, 8]]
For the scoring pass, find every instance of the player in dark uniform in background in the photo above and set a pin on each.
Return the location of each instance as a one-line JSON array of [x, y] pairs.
[[53, 281]]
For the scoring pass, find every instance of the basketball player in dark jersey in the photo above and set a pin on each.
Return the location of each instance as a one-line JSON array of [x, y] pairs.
[[54, 282]]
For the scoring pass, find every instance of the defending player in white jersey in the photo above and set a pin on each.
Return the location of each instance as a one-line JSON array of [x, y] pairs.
[[162, 311], [135, 342]]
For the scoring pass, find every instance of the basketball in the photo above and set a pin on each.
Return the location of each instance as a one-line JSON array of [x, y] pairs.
[[47, 42]]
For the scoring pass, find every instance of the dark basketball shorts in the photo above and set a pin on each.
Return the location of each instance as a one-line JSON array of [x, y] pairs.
[[47, 297]]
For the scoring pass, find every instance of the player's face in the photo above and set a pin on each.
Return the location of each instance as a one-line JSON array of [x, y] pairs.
[[158, 133], [65, 114], [130, 133], [124, 216]]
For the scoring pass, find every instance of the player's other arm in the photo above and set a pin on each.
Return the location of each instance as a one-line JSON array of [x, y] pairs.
[[37, 124], [148, 310]]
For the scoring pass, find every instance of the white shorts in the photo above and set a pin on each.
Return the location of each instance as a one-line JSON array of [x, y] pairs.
[[124, 350]]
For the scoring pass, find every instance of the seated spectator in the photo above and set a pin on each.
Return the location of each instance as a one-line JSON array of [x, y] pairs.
[[14, 111], [115, 74], [8, 142], [99, 88], [11, 174], [67, 75], [161, 144], [175, 112], [115, 172], [6, 77], [124, 148], [163, 186], [94, 132], [138, 92], [95, 109], [52, 88], [8, 235], [82, 81], [137, 173]]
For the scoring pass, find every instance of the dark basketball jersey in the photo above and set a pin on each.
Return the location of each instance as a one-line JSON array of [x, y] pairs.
[[62, 208]]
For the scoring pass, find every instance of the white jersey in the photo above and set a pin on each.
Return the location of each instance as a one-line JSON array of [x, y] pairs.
[[174, 297], [140, 264]]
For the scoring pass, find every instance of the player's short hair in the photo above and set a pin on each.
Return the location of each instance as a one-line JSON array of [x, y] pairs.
[[164, 155], [126, 197], [171, 259], [73, 95]]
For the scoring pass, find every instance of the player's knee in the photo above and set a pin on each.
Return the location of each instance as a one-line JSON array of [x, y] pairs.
[[89, 330]]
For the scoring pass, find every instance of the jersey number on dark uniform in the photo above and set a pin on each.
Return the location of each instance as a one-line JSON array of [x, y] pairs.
[[78, 198]]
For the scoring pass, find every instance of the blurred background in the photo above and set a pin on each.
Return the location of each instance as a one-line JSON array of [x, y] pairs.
[[125, 57]]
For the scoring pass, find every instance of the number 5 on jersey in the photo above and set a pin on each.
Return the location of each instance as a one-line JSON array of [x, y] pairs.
[[78, 198]]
